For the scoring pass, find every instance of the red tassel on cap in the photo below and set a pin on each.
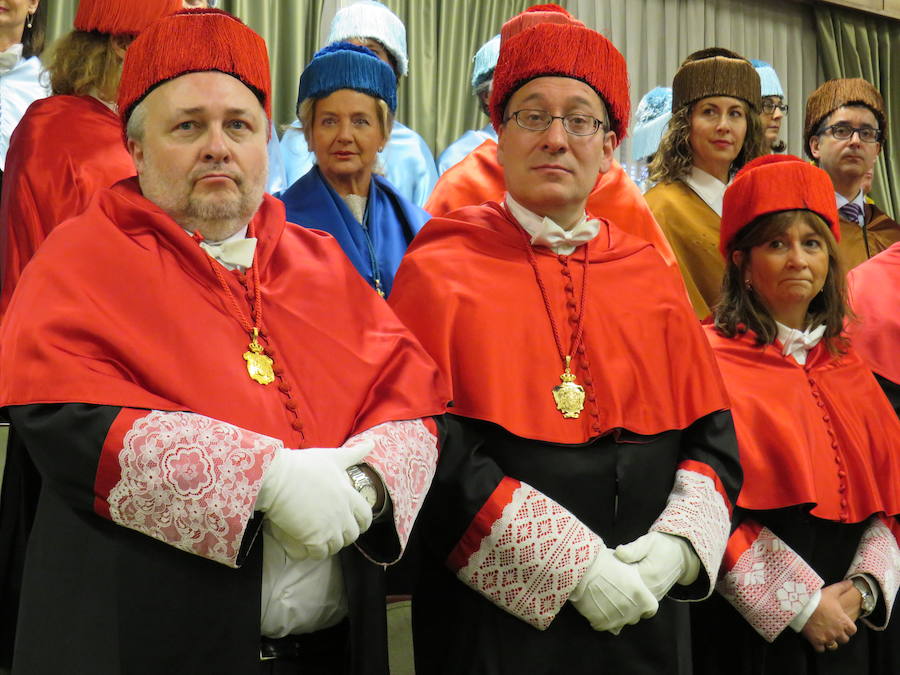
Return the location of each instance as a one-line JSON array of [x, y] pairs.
[[571, 50], [192, 41], [773, 183], [122, 17]]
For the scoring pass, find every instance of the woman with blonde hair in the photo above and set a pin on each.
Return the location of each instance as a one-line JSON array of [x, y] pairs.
[[346, 107], [69, 145], [713, 132]]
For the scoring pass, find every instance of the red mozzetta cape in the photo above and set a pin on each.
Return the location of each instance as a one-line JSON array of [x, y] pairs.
[[63, 151], [478, 178], [121, 307], [468, 292], [874, 292], [821, 434]]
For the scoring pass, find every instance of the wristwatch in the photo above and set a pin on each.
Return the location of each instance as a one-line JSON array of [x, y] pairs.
[[363, 485], [868, 600]]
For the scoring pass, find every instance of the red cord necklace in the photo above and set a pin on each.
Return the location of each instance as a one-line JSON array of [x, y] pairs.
[[259, 366], [568, 396]]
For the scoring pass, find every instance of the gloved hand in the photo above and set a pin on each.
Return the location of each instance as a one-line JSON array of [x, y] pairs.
[[662, 560], [611, 594], [312, 507]]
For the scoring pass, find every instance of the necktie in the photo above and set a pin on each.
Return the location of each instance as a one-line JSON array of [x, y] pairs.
[[851, 211], [237, 253]]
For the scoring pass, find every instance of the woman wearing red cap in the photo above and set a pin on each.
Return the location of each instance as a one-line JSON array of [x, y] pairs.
[[714, 131], [70, 145], [813, 563]]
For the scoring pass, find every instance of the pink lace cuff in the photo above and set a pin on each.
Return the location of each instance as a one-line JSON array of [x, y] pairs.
[[698, 511], [769, 584], [188, 480], [405, 458], [530, 556], [879, 556]]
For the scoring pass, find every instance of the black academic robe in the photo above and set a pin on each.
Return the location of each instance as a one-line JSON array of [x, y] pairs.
[[521, 492]]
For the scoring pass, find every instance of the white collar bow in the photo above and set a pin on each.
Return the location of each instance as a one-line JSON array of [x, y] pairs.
[[232, 253], [797, 343], [546, 232]]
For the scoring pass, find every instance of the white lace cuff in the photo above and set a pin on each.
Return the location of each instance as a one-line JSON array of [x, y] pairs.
[[769, 584], [697, 511], [405, 458], [532, 556], [188, 480], [878, 556]]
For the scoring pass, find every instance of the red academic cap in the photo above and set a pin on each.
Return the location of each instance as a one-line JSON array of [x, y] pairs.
[[773, 183], [545, 40], [122, 17], [191, 41]]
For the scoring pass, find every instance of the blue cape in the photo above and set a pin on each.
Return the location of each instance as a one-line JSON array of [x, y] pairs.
[[391, 219]]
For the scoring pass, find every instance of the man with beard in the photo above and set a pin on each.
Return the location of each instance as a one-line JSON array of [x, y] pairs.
[[231, 426], [844, 132]]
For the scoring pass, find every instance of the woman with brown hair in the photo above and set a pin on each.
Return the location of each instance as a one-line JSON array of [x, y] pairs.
[[69, 145], [811, 566], [22, 24], [713, 132]]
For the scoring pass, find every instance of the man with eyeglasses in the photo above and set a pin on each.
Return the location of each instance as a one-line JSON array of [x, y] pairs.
[[845, 130], [590, 460]]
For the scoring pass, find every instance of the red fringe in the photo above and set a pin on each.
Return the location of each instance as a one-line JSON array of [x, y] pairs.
[[122, 17], [193, 41], [565, 51]]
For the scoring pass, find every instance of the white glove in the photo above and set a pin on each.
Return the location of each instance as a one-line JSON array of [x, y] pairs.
[[312, 507], [611, 594], [662, 560]]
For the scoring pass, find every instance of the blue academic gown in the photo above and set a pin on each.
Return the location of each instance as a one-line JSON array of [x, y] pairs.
[[375, 249], [462, 146], [406, 158]]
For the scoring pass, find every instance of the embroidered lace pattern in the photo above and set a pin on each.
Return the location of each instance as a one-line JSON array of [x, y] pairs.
[[190, 481], [769, 584], [405, 458], [534, 556], [878, 555], [697, 512]]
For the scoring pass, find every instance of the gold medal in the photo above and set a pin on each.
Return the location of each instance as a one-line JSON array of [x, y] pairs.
[[259, 366], [569, 396]]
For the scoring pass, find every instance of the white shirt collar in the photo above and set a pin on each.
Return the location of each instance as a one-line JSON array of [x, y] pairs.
[[709, 188], [545, 232], [10, 57], [798, 343], [859, 200], [230, 255]]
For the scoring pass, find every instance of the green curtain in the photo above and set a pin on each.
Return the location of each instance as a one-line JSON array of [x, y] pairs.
[[442, 37], [60, 15], [853, 44]]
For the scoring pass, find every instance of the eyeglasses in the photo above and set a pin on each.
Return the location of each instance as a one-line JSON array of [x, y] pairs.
[[576, 124], [769, 107], [844, 132]]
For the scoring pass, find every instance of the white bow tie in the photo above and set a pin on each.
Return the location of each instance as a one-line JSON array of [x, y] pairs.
[[563, 241], [236, 253], [797, 343]]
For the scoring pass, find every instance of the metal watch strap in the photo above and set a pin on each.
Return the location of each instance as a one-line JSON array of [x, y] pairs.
[[360, 480], [866, 605]]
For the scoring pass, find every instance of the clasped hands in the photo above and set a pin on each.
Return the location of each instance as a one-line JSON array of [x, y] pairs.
[[833, 622], [623, 586], [311, 505]]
